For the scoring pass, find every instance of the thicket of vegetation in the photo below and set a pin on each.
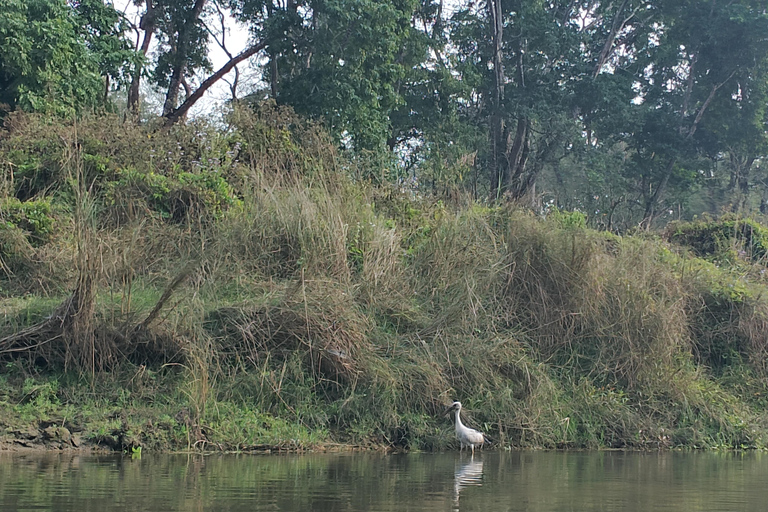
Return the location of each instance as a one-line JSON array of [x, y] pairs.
[[345, 251], [633, 111], [242, 286]]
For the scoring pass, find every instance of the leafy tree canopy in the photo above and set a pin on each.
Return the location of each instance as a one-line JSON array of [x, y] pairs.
[[58, 56]]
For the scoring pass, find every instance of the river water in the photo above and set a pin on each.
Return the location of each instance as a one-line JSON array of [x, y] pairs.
[[490, 481]]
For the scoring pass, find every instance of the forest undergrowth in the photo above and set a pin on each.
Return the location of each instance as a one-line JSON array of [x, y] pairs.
[[245, 287]]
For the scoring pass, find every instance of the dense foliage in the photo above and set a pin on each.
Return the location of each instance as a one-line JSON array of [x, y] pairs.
[[58, 58], [633, 112]]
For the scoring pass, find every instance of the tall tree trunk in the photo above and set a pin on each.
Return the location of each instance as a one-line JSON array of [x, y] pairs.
[[148, 25], [499, 169], [180, 58], [616, 27], [517, 158], [518, 180]]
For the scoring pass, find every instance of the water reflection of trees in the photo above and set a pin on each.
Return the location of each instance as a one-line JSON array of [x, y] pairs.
[[531, 481]]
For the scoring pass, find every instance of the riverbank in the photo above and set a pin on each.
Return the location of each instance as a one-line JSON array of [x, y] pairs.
[[236, 289]]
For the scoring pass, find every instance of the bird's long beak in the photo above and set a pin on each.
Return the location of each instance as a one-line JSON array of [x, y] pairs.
[[448, 410]]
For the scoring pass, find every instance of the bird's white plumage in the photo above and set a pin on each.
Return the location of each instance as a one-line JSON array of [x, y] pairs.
[[468, 437]]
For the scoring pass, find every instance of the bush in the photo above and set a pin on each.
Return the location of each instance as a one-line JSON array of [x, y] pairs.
[[34, 218], [727, 240]]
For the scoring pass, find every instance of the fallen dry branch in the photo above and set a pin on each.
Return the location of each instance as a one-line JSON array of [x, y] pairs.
[[111, 343], [44, 332], [178, 280]]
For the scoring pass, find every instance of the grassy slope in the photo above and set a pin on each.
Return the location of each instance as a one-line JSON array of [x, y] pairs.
[[297, 307]]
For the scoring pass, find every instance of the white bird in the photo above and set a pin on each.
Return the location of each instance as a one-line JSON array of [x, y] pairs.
[[466, 436]]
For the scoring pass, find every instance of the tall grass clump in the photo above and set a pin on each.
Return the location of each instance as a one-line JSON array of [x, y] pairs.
[[610, 321]]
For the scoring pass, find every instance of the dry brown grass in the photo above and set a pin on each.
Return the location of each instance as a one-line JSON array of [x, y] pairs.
[[315, 318]]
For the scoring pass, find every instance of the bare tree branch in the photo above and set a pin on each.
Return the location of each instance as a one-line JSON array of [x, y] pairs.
[[179, 113]]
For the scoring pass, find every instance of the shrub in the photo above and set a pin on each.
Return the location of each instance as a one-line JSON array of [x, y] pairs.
[[34, 218], [727, 239]]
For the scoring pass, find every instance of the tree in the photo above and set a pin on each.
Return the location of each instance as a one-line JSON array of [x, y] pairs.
[[342, 61], [59, 57], [698, 57], [527, 58], [148, 25], [183, 34]]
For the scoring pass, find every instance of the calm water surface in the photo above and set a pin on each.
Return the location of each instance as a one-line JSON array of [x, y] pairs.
[[489, 481]]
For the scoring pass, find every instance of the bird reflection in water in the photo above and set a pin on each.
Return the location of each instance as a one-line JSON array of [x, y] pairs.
[[467, 474]]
